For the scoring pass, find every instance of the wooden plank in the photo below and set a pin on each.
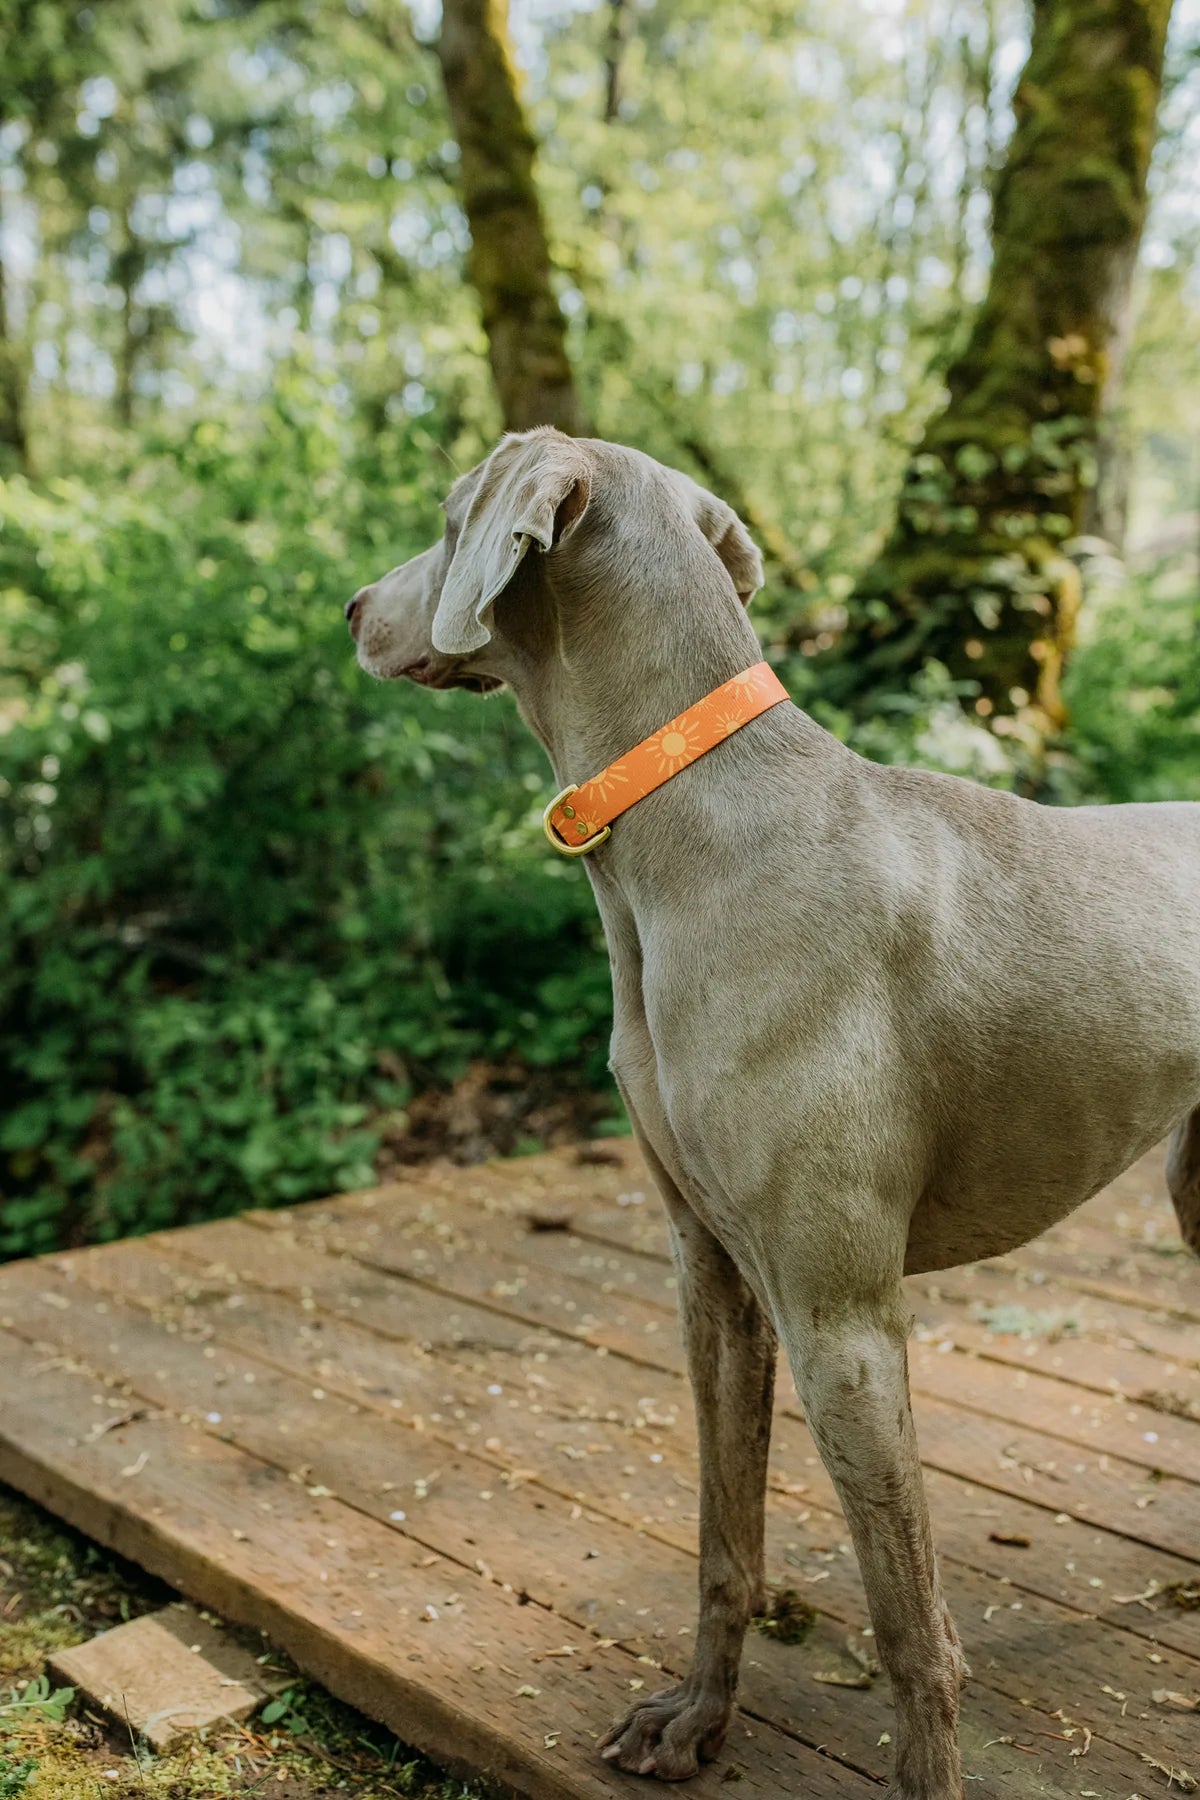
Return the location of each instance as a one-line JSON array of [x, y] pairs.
[[332, 1588], [406, 1366], [1097, 1484], [1097, 1366], [336, 1443], [452, 1388], [166, 1675], [1161, 1299], [617, 1203], [1033, 1651], [618, 1206], [446, 1499], [1124, 1245], [478, 1260], [970, 1597], [1136, 1207], [1101, 1423], [434, 1243], [1103, 1366], [1096, 1343], [1098, 1248], [1061, 1563], [1086, 1356], [1135, 1197], [386, 1304]]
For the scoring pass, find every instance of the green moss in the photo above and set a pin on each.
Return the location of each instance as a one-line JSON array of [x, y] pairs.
[[26, 1643], [67, 1589], [62, 1770]]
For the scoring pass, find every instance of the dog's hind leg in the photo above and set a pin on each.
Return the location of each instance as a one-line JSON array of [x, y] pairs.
[[1183, 1177], [731, 1349]]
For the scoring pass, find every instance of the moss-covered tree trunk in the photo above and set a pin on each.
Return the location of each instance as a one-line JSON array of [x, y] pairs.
[[509, 261], [975, 574]]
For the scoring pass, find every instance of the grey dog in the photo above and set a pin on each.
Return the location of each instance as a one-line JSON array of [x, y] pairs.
[[868, 1021]]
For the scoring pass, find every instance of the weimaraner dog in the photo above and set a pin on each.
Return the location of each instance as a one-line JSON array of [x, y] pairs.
[[868, 1021]]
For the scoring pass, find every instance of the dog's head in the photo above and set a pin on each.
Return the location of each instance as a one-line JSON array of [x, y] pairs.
[[545, 516]]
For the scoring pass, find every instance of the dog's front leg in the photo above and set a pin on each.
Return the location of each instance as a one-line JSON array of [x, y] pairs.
[[731, 1350], [850, 1363]]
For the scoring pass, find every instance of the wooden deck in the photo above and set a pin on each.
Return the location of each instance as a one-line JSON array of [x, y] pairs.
[[444, 1454]]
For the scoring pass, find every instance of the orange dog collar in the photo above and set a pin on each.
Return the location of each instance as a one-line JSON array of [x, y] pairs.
[[580, 818]]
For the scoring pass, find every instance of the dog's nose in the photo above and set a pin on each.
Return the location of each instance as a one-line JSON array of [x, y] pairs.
[[354, 607]]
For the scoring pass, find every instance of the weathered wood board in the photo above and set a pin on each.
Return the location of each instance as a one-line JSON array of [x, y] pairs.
[[445, 1456], [166, 1675]]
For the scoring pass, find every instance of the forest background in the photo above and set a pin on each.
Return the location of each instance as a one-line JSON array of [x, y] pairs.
[[915, 287]]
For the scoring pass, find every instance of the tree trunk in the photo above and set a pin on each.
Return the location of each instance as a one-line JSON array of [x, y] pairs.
[[618, 31], [14, 429], [974, 574], [509, 260], [128, 268]]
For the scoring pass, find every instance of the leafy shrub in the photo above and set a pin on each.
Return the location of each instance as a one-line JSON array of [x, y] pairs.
[[248, 899], [1134, 689], [251, 902]]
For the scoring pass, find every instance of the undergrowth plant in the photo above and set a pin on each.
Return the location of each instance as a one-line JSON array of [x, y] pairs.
[[249, 901]]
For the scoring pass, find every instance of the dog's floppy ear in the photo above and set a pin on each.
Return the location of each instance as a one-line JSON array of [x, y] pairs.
[[534, 491], [733, 544]]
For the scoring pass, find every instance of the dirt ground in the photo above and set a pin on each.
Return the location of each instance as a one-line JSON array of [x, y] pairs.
[[56, 1590]]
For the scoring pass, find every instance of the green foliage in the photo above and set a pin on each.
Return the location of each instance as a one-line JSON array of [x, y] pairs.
[[1134, 690], [251, 905], [15, 1775], [789, 1618], [249, 901], [284, 1711], [36, 1696]]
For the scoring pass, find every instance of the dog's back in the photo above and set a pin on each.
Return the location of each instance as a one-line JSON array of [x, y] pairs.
[[1052, 982]]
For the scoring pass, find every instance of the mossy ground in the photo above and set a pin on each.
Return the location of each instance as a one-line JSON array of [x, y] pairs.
[[57, 1589]]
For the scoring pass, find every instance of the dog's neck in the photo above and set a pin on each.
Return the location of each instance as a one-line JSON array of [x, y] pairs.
[[600, 677], [594, 680]]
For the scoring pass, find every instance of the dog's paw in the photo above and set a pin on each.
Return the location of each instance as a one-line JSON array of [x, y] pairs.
[[670, 1734]]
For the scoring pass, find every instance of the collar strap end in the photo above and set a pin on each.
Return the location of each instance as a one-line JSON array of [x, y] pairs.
[[570, 834]]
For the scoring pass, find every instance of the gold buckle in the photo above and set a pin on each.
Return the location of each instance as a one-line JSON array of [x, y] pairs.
[[571, 849]]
